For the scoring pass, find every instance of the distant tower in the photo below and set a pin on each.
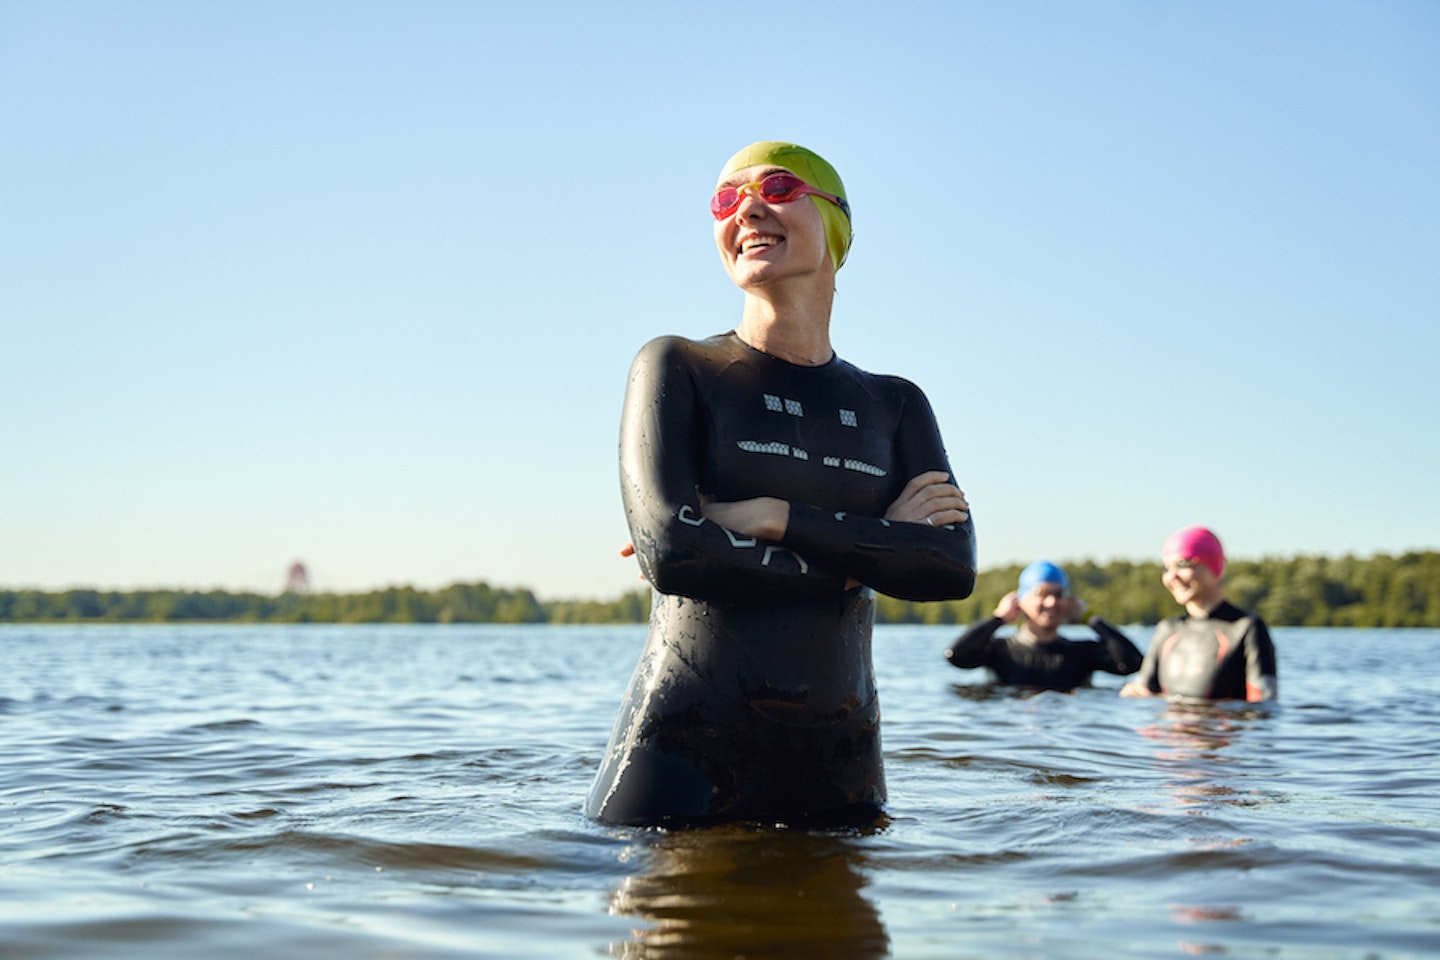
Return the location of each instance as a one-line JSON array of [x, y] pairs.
[[298, 579]]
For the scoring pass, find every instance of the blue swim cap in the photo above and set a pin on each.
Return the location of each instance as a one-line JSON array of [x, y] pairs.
[[1042, 571]]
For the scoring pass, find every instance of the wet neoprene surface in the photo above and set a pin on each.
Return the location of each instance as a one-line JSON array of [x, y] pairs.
[[755, 696], [1062, 664], [1220, 657]]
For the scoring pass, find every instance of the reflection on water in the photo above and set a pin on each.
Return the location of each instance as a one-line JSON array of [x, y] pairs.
[[986, 692], [1188, 916], [1194, 741], [1199, 743], [738, 891], [293, 792]]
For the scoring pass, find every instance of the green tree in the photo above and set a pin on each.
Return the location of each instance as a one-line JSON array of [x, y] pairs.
[[1380, 591]]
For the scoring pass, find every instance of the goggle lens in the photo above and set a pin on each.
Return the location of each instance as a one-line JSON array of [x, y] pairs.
[[781, 188], [776, 188]]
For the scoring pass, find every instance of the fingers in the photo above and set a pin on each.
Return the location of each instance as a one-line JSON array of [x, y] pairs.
[[930, 498], [628, 550], [922, 480], [946, 510], [944, 518], [940, 505], [938, 494]]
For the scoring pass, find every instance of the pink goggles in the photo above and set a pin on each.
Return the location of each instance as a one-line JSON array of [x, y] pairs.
[[775, 188]]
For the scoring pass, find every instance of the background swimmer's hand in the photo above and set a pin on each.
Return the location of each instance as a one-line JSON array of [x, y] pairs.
[[1133, 689], [930, 497], [764, 517], [1008, 609], [1075, 609]]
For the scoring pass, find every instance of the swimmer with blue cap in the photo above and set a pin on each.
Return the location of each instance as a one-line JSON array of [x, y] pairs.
[[1036, 655]]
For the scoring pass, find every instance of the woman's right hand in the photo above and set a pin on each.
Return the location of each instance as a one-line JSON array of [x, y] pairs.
[[763, 517], [930, 498]]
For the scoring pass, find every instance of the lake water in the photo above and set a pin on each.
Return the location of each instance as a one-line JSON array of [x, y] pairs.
[[258, 791]]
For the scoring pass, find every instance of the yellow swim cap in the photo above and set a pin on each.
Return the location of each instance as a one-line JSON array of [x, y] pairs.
[[812, 168]]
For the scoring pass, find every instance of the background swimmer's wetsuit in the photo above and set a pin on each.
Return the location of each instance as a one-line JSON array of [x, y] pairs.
[[755, 695], [1061, 664], [1224, 656]]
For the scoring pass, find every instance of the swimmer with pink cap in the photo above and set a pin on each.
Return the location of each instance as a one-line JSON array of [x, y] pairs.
[[1197, 544], [1215, 651]]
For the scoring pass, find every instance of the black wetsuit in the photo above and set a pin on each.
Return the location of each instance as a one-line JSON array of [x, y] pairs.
[[1224, 656], [1061, 664], [755, 695]]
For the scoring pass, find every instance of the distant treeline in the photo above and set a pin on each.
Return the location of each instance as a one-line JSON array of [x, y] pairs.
[[1379, 591], [457, 603]]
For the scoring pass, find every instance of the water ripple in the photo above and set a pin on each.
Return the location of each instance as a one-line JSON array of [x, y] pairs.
[[416, 792]]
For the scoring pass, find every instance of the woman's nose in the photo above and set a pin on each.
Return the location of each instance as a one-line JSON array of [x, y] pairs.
[[750, 203]]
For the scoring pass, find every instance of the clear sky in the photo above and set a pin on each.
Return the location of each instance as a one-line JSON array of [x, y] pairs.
[[359, 283]]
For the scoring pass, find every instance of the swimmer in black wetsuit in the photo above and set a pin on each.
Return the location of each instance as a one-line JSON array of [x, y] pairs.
[[1216, 651], [770, 487], [1036, 655]]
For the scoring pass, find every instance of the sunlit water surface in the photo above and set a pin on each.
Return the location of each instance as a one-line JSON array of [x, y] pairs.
[[258, 791]]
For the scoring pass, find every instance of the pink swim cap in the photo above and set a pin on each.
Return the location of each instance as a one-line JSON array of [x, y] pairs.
[[1195, 543]]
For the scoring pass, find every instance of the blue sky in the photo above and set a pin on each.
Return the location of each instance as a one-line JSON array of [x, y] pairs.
[[359, 283]]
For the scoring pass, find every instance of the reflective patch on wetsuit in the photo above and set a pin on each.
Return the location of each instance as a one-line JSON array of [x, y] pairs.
[[774, 447], [771, 551], [740, 542], [848, 418], [783, 405], [860, 466]]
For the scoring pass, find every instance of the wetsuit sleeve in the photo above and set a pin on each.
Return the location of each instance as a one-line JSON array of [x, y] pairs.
[[680, 552], [909, 561], [1148, 676], [1116, 654], [972, 648], [1261, 682]]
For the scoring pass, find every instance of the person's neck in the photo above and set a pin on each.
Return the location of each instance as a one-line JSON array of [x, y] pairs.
[[793, 325], [1202, 608], [1040, 635]]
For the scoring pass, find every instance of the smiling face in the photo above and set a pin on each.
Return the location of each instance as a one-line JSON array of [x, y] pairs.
[[1045, 609], [1193, 584], [762, 243]]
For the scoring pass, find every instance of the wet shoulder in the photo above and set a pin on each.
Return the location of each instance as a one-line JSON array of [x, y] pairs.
[[1227, 612], [674, 353], [1171, 625], [887, 388], [712, 351]]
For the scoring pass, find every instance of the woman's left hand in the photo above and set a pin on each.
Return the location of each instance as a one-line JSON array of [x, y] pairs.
[[930, 498]]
